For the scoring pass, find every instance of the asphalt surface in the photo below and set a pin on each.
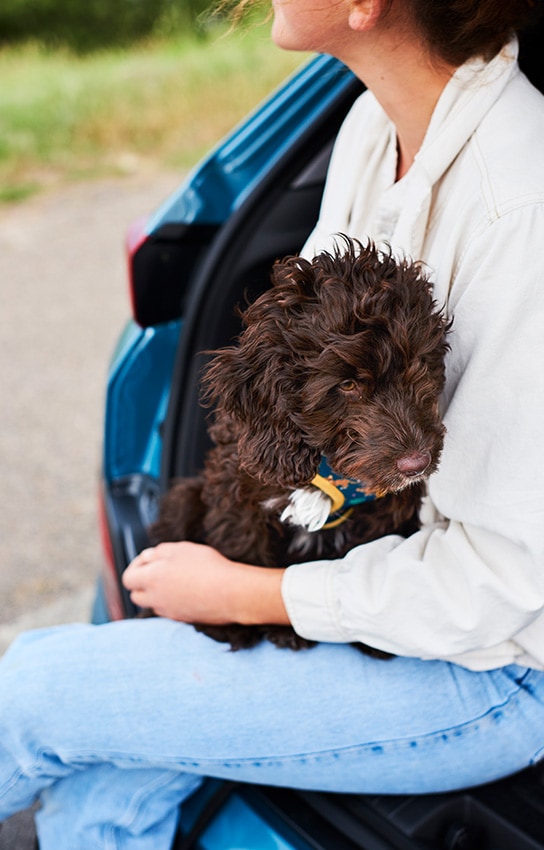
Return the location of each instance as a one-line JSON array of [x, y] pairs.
[[18, 833], [64, 301]]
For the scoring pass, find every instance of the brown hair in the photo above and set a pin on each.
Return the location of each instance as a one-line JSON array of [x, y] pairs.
[[458, 30], [455, 30]]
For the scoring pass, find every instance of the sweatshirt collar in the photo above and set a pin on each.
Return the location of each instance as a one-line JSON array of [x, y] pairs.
[[465, 100]]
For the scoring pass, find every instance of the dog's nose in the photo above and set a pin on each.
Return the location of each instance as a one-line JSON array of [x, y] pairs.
[[414, 464]]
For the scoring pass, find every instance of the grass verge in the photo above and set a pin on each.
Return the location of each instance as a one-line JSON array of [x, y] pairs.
[[161, 104]]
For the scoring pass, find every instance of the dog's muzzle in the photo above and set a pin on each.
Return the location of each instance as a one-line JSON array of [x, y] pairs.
[[415, 464]]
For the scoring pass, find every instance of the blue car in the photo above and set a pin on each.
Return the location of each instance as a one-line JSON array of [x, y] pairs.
[[253, 199]]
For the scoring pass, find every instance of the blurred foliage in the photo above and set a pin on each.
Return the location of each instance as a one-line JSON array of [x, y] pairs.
[[158, 104], [87, 25]]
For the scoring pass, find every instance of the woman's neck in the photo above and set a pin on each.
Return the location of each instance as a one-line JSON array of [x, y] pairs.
[[406, 82], [410, 105]]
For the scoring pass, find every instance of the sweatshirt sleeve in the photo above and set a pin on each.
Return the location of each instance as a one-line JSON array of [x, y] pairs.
[[472, 579]]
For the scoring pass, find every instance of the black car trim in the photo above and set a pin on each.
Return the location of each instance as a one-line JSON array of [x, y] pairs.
[[240, 259], [161, 269]]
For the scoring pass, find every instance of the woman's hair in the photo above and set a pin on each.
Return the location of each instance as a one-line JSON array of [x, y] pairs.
[[455, 30], [458, 30]]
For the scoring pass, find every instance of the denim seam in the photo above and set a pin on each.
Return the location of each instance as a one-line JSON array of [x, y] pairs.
[[135, 806], [538, 756], [31, 771], [11, 782], [318, 755]]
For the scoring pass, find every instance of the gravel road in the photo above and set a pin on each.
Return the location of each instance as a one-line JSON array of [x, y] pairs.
[[64, 301]]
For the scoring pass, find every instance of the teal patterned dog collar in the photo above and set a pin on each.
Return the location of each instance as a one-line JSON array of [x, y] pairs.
[[344, 493]]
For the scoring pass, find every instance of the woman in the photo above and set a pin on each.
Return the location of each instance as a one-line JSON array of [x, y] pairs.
[[114, 725]]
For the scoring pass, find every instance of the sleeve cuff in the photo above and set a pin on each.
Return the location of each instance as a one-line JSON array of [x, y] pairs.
[[309, 599]]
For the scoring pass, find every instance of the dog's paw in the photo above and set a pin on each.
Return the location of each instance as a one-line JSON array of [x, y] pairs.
[[307, 508]]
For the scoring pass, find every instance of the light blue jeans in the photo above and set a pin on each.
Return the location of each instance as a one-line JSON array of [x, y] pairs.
[[114, 725]]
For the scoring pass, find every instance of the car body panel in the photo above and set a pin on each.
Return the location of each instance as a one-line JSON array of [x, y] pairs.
[[168, 254], [221, 182], [138, 390]]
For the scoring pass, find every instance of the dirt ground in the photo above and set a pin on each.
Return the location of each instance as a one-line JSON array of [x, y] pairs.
[[64, 300]]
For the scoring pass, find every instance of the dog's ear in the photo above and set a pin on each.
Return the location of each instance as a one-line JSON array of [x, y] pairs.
[[254, 383]]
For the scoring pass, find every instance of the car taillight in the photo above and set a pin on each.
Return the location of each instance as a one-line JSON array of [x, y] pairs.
[[112, 592], [135, 238]]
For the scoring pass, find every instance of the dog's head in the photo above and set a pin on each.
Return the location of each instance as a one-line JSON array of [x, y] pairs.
[[343, 356]]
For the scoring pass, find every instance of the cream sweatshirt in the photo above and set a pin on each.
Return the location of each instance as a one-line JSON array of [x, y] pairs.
[[469, 586]]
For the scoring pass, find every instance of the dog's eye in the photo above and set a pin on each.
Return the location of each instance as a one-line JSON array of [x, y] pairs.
[[348, 386], [360, 387]]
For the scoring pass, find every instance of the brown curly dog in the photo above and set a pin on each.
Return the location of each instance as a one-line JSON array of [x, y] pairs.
[[343, 359]]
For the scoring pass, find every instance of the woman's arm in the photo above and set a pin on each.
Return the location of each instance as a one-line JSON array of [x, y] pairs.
[[471, 582], [196, 584]]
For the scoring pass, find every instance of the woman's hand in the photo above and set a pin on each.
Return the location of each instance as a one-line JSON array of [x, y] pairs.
[[196, 584]]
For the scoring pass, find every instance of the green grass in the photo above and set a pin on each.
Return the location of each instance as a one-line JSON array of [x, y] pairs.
[[160, 104]]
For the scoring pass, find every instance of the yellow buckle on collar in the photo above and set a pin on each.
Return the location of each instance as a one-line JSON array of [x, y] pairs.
[[337, 498]]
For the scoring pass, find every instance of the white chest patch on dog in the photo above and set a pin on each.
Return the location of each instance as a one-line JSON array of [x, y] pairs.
[[327, 503], [307, 508]]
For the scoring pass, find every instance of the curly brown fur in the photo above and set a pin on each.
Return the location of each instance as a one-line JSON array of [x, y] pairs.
[[342, 357]]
